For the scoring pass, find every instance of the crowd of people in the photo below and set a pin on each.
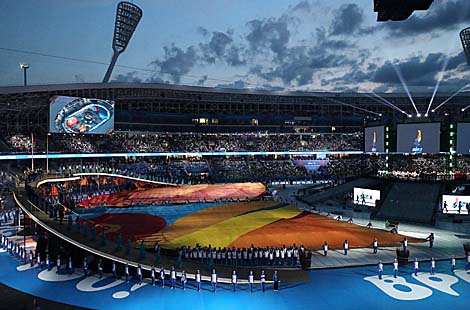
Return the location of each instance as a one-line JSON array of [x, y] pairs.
[[252, 256], [158, 276], [209, 169], [462, 164], [429, 168], [75, 144], [133, 142], [20, 143]]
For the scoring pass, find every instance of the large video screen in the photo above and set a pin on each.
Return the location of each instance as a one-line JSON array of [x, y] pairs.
[[374, 139], [455, 204], [81, 115], [419, 138], [364, 196], [463, 138]]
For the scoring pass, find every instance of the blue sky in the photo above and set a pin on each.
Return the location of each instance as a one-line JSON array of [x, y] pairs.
[[307, 45]]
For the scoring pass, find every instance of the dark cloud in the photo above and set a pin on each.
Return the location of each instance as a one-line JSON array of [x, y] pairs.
[[300, 63], [443, 15], [302, 6], [270, 33], [234, 56], [79, 78], [176, 62], [270, 87], [239, 84], [156, 79], [133, 77], [324, 42], [203, 31], [218, 43], [202, 80], [130, 77], [347, 20], [280, 60], [221, 48], [419, 72]]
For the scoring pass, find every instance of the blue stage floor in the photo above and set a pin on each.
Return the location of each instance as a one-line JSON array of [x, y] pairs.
[[347, 288]]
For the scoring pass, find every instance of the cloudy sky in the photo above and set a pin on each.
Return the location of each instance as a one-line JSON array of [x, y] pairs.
[[310, 45]]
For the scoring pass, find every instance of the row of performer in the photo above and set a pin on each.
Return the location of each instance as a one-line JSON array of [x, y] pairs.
[[157, 276], [259, 255], [416, 266], [252, 256]]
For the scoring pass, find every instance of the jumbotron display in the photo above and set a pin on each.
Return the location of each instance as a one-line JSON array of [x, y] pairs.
[[374, 139], [74, 115], [463, 142], [454, 204], [418, 138]]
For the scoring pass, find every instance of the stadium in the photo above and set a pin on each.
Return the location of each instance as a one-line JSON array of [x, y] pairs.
[[145, 193]]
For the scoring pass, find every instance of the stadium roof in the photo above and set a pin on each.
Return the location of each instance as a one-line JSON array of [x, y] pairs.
[[120, 85]]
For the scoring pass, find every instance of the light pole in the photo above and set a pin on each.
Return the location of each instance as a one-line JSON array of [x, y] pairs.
[[465, 39], [47, 153], [24, 67], [128, 16]]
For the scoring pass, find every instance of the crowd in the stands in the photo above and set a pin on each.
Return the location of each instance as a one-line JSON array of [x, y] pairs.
[[76, 144], [417, 167], [20, 143], [192, 170], [123, 142], [462, 164], [7, 180]]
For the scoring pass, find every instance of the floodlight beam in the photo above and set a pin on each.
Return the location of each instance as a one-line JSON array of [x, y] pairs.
[[444, 66], [403, 82], [384, 102], [352, 106], [450, 98]]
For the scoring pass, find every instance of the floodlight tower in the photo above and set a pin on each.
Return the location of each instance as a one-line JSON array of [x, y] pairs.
[[465, 38], [128, 16], [25, 67]]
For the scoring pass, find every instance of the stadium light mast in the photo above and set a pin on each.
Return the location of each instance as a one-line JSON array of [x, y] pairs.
[[128, 16], [25, 67], [465, 38]]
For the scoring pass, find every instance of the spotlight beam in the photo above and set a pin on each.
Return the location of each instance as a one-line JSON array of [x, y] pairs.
[[450, 98], [463, 110], [403, 82], [352, 106], [444, 67], [384, 102]]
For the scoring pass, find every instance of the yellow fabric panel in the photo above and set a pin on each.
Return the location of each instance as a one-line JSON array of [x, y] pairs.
[[204, 218], [225, 232]]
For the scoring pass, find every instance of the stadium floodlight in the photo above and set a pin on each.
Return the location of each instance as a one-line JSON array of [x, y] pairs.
[[24, 67], [128, 16], [464, 109], [397, 10], [465, 38]]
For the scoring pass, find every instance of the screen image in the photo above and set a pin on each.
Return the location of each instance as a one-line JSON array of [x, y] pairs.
[[419, 138], [463, 141], [455, 204], [374, 139], [81, 115], [364, 196]]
